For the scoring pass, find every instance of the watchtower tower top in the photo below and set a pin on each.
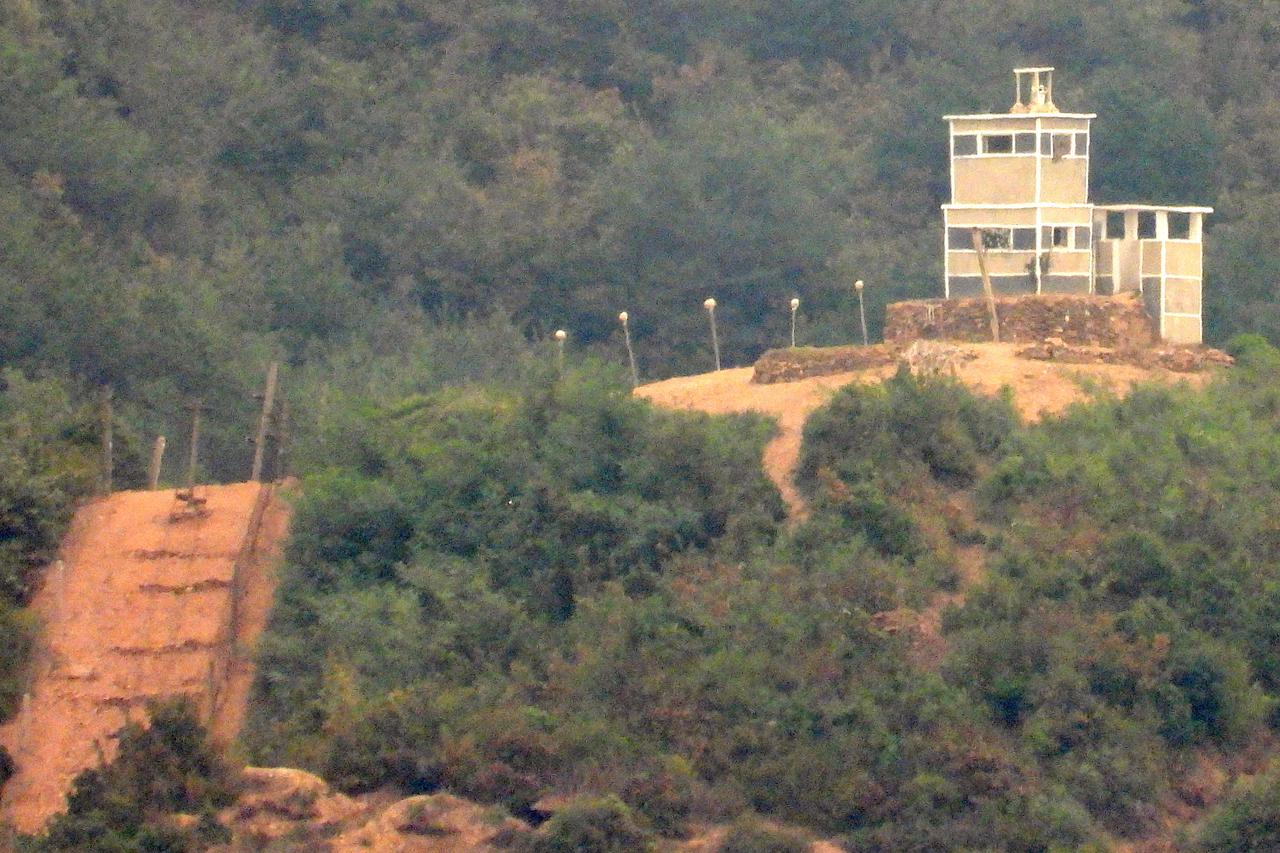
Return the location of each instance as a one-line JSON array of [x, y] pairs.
[[1038, 84]]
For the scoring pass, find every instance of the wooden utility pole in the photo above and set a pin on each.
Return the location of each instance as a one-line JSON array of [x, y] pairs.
[[108, 440], [986, 283], [264, 421], [197, 408], [282, 440], [157, 458]]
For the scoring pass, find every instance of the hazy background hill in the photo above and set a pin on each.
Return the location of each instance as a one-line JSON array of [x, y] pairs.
[[186, 188]]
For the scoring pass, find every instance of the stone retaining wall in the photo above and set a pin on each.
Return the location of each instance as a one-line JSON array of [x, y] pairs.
[[1172, 357], [788, 365], [1117, 322]]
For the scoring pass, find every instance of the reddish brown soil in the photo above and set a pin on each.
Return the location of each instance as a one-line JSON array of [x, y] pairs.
[[141, 611]]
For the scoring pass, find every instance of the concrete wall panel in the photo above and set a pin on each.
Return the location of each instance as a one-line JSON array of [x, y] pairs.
[[1023, 217], [998, 263], [1064, 181], [1070, 262], [1061, 124], [1067, 216], [1182, 330], [968, 287], [1182, 259], [1130, 252], [1152, 297], [1182, 295], [994, 180], [1002, 124], [1150, 258], [1053, 283]]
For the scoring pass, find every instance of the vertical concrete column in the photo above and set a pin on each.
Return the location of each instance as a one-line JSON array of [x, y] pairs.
[[1131, 225], [1195, 228], [1162, 225]]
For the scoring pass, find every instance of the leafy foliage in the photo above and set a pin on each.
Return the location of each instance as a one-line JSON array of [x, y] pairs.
[[165, 767], [1249, 820], [505, 590], [499, 590], [187, 192], [751, 836], [604, 825]]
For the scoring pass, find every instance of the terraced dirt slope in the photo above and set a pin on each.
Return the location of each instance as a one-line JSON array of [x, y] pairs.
[[152, 600]]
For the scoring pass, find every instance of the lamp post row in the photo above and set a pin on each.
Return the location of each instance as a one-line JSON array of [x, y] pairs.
[[561, 336]]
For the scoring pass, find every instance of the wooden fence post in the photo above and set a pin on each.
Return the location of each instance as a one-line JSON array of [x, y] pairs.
[[264, 421], [108, 440], [157, 459]]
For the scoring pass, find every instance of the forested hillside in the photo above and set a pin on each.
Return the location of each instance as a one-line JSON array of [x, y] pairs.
[[511, 581], [537, 589], [189, 188]]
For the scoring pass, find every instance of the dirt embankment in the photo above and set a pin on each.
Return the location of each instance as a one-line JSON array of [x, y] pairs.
[[1039, 388], [154, 598]]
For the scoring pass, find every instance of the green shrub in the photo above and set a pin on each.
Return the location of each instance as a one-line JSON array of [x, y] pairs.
[[1209, 694], [909, 423], [1135, 563], [663, 798], [17, 638], [1252, 350], [593, 825], [165, 767], [751, 835], [1248, 821]]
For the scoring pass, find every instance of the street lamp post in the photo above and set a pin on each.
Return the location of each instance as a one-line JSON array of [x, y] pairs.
[[561, 335], [624, 319], [710, 305], [795, 305], [862, 311]]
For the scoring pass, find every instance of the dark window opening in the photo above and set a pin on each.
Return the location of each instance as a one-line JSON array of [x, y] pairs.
[[1083, 237], [1061, 145], [1024, 239], [960, 239], [1057, 236], [995, 238], [1146, 225], [1179, 226], [1082, 144], [1046, 143], [1115, 225], [965, 146], [1024, 143], [1000, 144]]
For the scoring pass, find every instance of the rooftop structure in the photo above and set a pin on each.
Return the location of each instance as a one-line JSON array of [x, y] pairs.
[[1020, 207]]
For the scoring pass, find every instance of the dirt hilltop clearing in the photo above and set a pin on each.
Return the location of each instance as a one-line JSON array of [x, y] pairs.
[[1040, 388], [157, 597]]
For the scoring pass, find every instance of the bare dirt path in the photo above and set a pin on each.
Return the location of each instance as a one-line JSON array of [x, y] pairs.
[[141, 610], [731, 391], [1038, 387]]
